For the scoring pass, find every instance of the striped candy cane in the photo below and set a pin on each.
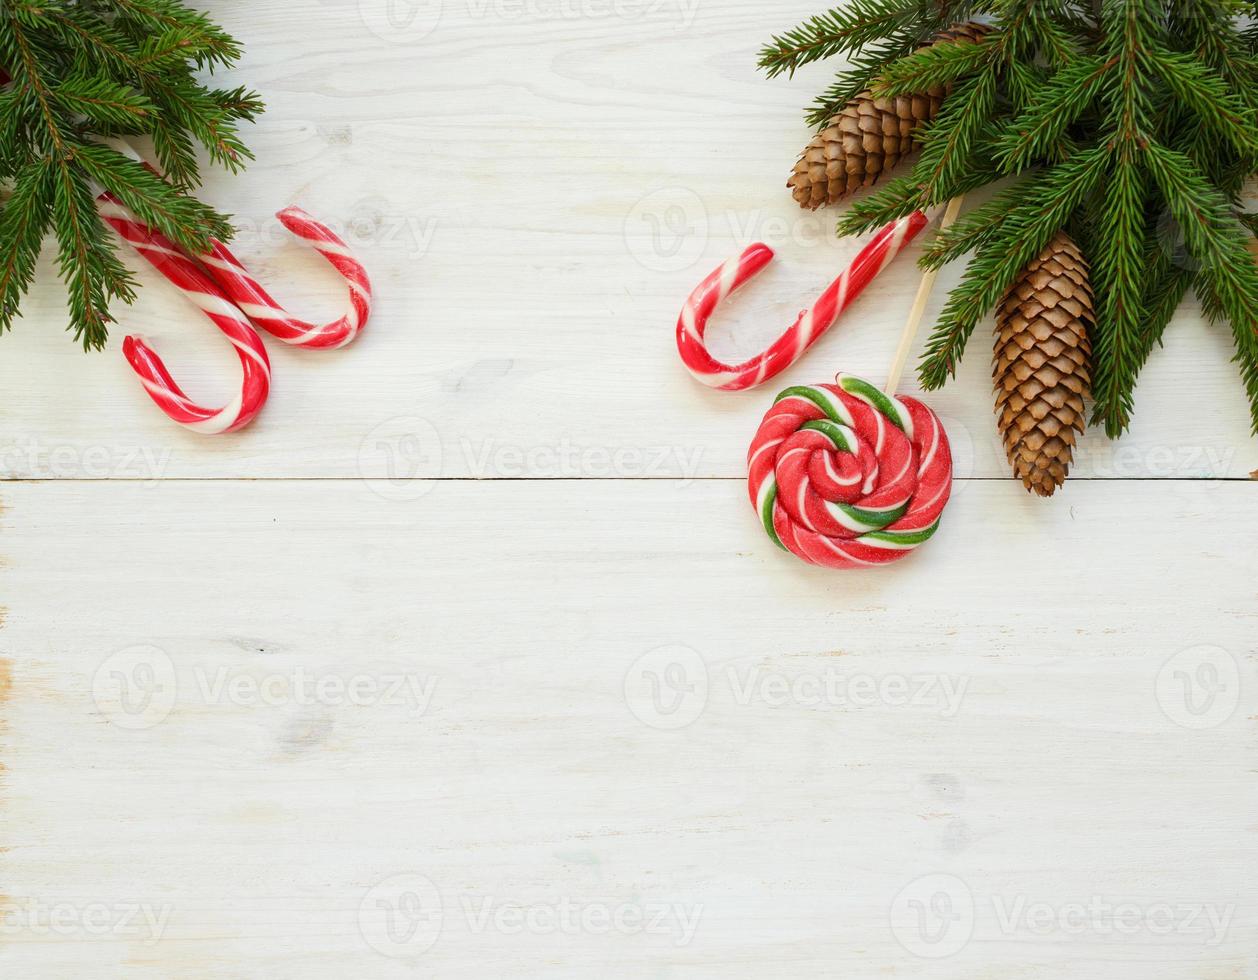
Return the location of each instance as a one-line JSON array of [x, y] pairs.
[[844, 475], [167, 259], [812, 323], [247, 293]]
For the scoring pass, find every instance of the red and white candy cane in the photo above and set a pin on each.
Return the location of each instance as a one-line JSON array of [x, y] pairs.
[[167, 259], [846, 475], [812, 323], [265, 313]]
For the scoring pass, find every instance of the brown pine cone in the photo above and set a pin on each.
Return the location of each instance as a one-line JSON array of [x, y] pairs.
[[1041, 364], [868, 137]]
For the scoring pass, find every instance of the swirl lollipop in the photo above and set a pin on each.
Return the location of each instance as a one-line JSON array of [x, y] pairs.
[[843, 475], [846, 475]]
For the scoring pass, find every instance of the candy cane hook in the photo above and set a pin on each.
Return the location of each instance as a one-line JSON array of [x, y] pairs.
[[812, 323], [247, 293], [164, 256], [242, 288]]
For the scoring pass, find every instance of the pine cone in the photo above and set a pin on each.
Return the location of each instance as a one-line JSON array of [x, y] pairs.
[[1041, 365], [868, 137]]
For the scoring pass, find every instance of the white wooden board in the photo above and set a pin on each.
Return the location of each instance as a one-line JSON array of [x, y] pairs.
[[536, 186], [640, 710], [469, 658]]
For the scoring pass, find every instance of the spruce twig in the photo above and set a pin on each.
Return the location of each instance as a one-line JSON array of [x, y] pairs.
[[73, 74], [1123, 122]]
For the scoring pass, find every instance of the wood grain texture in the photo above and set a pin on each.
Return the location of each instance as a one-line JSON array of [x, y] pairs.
[[470, 659], [536, 186], [841, 736]]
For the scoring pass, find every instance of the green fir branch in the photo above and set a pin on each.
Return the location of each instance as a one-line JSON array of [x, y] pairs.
[[1049, 201], [1118, 266], [846, 29], [1037, 131], [24, 218], [86, 257], [78, 73], [181, 218], [865, 69], [1218, 108], [934, 66], [104, 101], [951, 141], [1218, 241], [1130, 25], [973, 231], [901, 196]]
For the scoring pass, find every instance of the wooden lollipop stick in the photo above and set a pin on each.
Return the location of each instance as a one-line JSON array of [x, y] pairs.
[[919, 305]]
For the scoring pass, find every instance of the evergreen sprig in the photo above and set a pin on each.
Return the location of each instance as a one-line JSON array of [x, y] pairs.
[[847, 29], [1131, 123], [73, 74]]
